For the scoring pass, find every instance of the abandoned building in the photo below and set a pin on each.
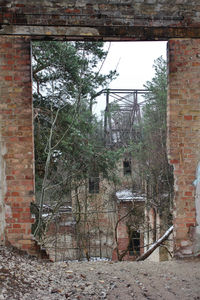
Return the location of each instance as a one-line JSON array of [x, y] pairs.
[[85, 229], [130, 234], [104, 220], [23, 21]]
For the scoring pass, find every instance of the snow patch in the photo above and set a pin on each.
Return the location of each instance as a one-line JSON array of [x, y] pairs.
[[162, 238], [128, 195], [45, 215]]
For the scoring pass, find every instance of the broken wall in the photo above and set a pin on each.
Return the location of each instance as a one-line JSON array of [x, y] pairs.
[[16, 141], [87, 230], [184, 138], [20, 21]]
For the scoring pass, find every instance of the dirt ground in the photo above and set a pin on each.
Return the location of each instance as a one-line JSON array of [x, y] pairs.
[[25, 278]]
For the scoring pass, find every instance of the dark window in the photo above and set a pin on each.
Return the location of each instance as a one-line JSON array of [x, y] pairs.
[[94, 185], [127, 167], [134, 244]]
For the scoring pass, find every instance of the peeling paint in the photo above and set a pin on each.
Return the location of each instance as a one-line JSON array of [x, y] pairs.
[[197, 196], [8, 211], [197, 205], [2, 191]]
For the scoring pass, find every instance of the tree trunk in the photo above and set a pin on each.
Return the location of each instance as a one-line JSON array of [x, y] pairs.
[[156, 245]]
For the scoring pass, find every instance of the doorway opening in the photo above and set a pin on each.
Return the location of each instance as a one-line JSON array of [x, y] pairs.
[[101, 164]]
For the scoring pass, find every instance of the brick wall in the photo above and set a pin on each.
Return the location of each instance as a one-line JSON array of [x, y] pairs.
[[123, 239], [16, 141], [130, 19], [184, 136]]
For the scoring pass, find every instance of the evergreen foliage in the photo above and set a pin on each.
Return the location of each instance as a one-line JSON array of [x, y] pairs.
[[69, 145], [150, 150]]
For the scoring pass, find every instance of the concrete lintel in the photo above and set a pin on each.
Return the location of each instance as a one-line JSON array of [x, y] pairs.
[[48, 31], [137, 33]]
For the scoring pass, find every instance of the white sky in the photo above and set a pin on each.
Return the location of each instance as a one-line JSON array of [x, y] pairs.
[[135, 65]]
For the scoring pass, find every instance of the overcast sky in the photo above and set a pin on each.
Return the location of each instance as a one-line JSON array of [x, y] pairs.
[[134, 61]]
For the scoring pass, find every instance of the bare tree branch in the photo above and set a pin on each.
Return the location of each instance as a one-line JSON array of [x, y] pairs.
[[156, 245]]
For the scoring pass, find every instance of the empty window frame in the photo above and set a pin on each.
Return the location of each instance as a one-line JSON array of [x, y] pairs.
[[127, 167], [134, 243], [94, 185]]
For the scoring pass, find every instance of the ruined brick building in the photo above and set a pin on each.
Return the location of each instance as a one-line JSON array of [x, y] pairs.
[[85, 229], [22, 21], [107, 220]]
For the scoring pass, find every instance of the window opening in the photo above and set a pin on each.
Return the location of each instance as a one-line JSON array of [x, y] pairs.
[[94, 185], [127, 167], [134, 244]]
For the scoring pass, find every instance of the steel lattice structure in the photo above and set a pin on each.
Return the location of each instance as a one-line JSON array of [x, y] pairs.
[[122, 115]]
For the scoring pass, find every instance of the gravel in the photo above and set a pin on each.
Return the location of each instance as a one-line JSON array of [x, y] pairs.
[[26, 278]]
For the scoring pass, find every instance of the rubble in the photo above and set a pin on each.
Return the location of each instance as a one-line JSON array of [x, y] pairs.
[[24, 278]]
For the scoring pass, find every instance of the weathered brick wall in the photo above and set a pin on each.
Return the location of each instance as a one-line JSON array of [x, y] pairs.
[[16, 141], [123, 239], [184, 137], [131, 19]]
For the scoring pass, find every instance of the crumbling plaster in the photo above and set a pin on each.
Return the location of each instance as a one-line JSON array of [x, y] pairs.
[[3, 207], [197, 205]]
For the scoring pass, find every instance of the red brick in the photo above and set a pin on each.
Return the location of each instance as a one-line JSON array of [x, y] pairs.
[[17, 134], [183, 139], [20, 5], [8, 78], [188, 118], [15, 194], [191, 224], [10, 178], [16, 226], [188, 194], [174, 161]]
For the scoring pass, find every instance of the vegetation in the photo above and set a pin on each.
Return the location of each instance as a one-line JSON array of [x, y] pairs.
[[152, 174], [150, 150], [69, 145], [70, 149]]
